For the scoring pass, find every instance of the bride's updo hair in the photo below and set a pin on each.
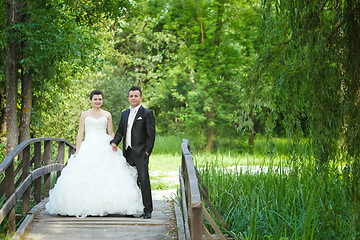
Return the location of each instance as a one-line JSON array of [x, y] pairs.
[[96, 92]]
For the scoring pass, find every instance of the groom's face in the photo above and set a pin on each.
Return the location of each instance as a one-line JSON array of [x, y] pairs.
[[134, 98]]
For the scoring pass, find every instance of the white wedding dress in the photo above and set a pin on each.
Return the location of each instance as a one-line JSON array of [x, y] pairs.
[[98, 181]]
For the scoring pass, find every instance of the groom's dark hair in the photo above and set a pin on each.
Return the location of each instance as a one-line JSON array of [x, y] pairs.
[[96, 92], [136, 89]]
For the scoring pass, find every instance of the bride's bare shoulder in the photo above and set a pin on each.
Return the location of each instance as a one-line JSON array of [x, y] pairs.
[[84, 114], [107, 114]]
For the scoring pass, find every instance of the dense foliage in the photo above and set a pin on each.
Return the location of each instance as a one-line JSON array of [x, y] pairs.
[[211, 70], [59, 42], [310, 58], [191, 58]]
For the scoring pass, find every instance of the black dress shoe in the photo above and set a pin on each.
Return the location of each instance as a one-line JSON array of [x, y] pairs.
[[147, 215]]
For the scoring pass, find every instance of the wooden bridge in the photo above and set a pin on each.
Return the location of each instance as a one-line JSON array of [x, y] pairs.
[[38, 165]]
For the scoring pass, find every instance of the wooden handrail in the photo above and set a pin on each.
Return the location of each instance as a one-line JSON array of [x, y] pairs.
[[17, 150], [10, 203], [193, 191], [191, 172], [42, 168]]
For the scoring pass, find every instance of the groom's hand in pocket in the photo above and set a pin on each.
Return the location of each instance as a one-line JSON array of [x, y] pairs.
[[114, 147]]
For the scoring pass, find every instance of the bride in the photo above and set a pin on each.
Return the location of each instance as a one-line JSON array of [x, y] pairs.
[[96, 181]]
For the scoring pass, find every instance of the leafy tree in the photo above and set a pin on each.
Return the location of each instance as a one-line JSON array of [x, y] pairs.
[[310, 58], [64, 48], [213, 59], [56, 41], [190, 58]]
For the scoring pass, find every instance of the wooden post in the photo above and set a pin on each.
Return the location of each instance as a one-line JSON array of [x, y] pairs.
[[37, 164], [9, 174], [47, 160], [9, 189], [61, 155], [196, 223], [184, 205], [25, 173], [71, 151]]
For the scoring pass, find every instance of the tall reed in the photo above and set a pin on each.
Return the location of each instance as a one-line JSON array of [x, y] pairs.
[[276, 204]]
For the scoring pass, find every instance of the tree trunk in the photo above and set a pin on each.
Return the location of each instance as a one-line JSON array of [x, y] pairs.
[[26, 103], [252, 129], [219, 22], [210, 133], [201, 24], [210, 114], [26, 92], [2, 118], [13, 16]]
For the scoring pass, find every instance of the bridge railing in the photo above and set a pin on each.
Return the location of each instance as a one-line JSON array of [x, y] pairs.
[[191, 199], [194, 193], [25, 174]]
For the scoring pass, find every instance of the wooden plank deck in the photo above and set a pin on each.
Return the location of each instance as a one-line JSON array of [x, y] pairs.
[[161, 226]]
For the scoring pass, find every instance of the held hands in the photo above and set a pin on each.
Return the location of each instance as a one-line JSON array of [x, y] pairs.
[[114, 147]]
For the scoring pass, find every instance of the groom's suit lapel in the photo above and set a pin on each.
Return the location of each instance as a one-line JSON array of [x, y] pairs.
[[138, 114], [127, 114]]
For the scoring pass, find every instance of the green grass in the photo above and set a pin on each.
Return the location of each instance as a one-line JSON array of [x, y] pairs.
[[228, 159], [166, 155], [157, 183], [172, 162], [167, 144], [164, 162], [171, 144]]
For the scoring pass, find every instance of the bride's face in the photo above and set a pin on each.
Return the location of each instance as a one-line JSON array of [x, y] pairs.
[[96, 101]]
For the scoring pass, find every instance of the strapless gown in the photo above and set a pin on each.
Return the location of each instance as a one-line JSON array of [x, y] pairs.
[[98, 181]]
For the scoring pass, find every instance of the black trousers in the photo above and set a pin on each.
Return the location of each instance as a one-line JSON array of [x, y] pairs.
[[141, 162]]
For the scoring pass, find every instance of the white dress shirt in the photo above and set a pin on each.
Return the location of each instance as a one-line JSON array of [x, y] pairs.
[[133, 112]]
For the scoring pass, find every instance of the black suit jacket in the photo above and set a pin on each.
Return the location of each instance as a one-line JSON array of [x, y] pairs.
[[142, 132]]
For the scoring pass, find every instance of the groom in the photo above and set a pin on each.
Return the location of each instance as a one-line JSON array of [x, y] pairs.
[[137, 129]]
